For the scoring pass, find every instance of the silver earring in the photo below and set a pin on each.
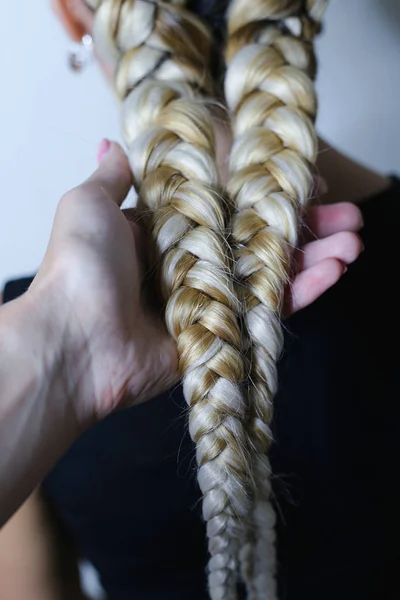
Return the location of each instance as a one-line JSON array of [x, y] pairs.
[[81, 56]]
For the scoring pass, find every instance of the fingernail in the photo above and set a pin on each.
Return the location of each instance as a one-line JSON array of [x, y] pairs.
[[103, 149], [345, 269]]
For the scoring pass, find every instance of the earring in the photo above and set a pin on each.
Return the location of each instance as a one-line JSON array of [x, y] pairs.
[[81, 56]]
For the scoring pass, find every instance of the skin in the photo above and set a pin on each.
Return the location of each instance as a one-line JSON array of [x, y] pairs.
[[93, 268], [80, 343]]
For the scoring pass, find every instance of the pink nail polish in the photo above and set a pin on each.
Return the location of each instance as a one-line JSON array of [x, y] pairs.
[[103, 149]]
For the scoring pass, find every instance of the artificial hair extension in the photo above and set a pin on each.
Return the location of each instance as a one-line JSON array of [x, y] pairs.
[[160, 55], [270, 92]]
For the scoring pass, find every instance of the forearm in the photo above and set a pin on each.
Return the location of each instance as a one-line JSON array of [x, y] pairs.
[[37, 423]]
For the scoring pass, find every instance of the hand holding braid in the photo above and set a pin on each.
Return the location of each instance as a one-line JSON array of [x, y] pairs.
[[160, 54], [270, 92]]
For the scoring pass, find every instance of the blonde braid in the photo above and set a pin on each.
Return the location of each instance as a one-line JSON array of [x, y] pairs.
[[270, 92], [160, 54]]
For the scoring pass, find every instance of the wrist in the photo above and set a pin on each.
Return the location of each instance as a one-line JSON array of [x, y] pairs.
[[35, 346], [38, 423]]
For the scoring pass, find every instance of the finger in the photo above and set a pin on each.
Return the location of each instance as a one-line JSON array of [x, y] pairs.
[[114, 174], [310, 284], [325, 220], [344, 246]]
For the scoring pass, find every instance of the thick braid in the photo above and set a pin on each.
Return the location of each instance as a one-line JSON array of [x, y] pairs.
[[270, 92], [160, 54]]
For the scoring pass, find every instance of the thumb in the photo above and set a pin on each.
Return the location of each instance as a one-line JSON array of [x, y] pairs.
[[114, 173]]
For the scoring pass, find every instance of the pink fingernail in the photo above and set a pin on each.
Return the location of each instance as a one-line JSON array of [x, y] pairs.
[[104, 148]]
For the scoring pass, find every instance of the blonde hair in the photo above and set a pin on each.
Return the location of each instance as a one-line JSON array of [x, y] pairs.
[[160, 54], [270, 93]]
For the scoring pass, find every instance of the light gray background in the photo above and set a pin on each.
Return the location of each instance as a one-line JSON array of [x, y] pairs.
[[52, 120]]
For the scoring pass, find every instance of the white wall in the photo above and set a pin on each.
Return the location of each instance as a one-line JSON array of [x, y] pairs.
[[359, 80], [51, 123], [52, 120]]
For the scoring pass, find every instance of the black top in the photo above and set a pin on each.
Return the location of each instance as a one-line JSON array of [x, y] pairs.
[[127, 492]]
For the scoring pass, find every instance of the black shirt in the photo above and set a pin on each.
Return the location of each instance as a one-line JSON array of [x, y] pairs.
[[127, 492]]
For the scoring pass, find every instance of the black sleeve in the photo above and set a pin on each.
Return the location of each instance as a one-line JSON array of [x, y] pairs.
[[16, 288]]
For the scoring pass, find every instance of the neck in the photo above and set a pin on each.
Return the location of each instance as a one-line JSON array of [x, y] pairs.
[[347, 180]]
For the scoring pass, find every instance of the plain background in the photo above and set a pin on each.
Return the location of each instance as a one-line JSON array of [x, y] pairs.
[[53, 120]]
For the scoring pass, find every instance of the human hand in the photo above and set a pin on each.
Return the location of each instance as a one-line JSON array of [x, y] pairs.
[[89, 288], [331, 243]]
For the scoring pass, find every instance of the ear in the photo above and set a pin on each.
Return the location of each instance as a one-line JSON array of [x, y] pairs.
[[75, 16]]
